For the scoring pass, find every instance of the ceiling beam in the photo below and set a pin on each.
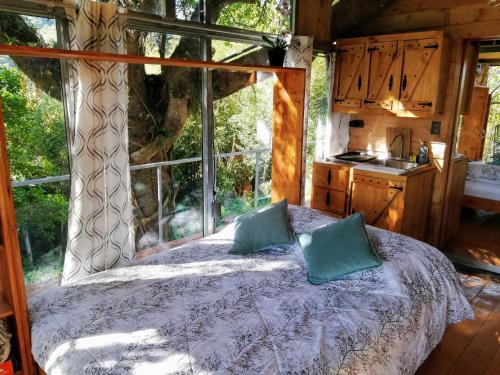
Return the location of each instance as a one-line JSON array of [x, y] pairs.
[[348, 14]]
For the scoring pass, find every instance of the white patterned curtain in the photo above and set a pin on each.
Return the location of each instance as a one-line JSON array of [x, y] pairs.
[[337, 124], [100, 230], [300, 55]]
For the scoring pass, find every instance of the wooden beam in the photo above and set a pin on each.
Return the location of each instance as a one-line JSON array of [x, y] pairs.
[[53, 53], [288, 120]]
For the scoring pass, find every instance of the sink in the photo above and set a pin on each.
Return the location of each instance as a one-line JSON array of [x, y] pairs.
[[394, 163]]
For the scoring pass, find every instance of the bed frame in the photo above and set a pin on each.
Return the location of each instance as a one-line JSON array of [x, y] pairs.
[[481, 204]]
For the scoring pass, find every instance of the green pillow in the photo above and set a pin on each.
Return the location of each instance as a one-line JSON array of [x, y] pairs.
[[337, 249], [263, 229]]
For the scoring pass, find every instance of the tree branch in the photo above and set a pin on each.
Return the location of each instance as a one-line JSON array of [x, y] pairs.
[[46, 73]]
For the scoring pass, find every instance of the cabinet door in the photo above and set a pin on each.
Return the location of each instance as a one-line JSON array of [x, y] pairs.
[[420, 75], [384, 74], [350, 76], [330, 176], [329, 200], [381, 200]]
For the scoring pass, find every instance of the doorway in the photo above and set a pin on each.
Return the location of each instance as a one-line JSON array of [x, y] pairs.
[[476, 241]]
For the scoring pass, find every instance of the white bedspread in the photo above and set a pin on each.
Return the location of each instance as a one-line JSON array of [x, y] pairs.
[[482, 190], [198, 310]]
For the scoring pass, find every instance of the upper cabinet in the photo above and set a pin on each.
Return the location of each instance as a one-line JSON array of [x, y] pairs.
[[391, 74]]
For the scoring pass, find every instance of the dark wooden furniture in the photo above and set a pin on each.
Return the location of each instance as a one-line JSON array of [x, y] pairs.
[[331, 187]]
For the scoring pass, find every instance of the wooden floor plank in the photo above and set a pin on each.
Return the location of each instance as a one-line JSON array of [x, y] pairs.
[[472, 285], [458, 337], [482, 348], [494, 366]]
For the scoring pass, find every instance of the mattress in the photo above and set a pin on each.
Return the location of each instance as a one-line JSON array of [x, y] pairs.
[[198, 310], [482, 190]]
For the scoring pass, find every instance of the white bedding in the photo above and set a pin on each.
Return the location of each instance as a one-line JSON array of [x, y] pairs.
[[198, 310], [482, 190]]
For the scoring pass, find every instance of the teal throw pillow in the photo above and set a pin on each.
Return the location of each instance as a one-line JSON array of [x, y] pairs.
[[263, 229], [337, 249]]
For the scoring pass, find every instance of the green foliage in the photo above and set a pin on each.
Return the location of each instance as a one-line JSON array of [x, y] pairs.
[[260, 15], [494, 115], [36, 143]]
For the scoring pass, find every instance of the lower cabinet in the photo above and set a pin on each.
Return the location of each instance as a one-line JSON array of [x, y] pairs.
[[331, 185], [397, 203], [400, 204]]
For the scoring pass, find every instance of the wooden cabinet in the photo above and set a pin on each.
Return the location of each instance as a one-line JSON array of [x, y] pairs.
[[13, 306], [397, 203], [392, 74], [331, 185]]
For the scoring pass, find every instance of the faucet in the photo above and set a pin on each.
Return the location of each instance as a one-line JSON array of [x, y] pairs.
[[401, 145]]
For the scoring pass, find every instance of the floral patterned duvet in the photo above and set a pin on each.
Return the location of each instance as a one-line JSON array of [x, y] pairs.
[[198, 310]]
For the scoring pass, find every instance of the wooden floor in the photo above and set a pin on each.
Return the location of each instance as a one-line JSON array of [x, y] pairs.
[[471, 347], [478, 237]]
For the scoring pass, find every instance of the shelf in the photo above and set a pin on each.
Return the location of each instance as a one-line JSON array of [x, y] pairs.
[[5, 309]]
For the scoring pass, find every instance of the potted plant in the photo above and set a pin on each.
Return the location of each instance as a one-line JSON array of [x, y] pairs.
[[277, 50]]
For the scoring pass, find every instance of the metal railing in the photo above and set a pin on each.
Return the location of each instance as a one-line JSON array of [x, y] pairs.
[[158, 166]]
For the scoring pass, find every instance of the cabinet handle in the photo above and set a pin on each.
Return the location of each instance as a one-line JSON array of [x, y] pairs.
[[400, 188], [359, 83], [329, 177], [391, 82], [369, 101], [327, 198], [425, 104], [339, 100], [371, 49], [432, 46], [405, 82]]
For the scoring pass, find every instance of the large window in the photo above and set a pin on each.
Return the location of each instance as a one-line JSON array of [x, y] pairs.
[[36, 140], [167, 116], [243, 122]]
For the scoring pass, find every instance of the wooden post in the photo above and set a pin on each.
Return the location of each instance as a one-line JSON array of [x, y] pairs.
[[288, 134]]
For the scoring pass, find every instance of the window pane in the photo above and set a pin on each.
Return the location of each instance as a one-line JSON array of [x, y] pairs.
[[165, 130], [318, 112], [156, 7], [243, 121], [37, 147], [223, 50], [272, 16]]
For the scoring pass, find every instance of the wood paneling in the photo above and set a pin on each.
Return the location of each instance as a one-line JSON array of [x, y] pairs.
[[313, 19], [454, 206], [461, 19], [473, 129], [288, 120]]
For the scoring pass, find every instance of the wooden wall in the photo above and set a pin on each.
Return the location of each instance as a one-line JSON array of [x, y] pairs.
[[460, 19]]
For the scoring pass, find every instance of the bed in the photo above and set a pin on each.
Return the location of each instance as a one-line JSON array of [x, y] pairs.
[[198, 310], [482, 187]]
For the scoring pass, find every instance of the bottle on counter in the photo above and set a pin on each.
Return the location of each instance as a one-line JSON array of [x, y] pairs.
[[423, 153]]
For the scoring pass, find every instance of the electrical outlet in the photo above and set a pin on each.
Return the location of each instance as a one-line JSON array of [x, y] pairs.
[[436, 127]]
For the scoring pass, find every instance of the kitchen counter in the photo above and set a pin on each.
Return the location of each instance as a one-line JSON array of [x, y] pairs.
[[377, 169]]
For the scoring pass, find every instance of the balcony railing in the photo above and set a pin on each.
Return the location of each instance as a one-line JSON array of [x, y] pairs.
[[158, 166]]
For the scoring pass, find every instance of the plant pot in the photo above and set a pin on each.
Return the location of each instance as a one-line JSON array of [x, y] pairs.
[[276, 56]]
